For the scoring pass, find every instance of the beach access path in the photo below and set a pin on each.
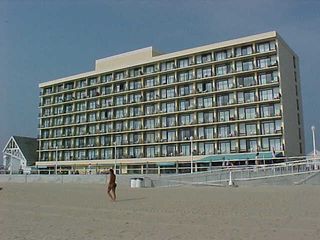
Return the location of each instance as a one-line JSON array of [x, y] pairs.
[[83, 211]]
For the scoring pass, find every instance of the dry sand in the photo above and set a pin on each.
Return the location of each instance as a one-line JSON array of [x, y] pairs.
[[78, 211]]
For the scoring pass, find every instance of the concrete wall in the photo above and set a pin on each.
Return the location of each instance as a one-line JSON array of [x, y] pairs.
[[289, 101], [165, 181], [123, 180], [125, 59]]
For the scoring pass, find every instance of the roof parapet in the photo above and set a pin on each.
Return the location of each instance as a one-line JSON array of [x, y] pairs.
[[126, 59]]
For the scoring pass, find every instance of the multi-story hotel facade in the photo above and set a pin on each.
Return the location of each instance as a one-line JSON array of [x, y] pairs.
[[144, 109]]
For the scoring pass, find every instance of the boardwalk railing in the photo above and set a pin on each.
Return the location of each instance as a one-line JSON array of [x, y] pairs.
[[303, 169]]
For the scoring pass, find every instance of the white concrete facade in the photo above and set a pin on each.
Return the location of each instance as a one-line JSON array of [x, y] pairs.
[[233, 97]]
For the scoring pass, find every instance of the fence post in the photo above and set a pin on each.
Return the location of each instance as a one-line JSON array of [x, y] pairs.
[[230, 179]]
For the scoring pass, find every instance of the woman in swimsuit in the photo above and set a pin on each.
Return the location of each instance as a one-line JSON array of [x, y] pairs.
[[112, 185]]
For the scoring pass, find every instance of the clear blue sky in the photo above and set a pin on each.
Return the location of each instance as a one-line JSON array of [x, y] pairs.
[[45, 40]]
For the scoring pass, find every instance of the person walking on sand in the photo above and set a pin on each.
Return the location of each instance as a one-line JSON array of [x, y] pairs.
[[111, 188]]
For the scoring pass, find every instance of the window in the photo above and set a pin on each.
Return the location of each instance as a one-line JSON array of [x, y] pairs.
[[204, 72], [203, 58], [223, 69], [120, 100], [226, 115], [243, 51], [167, 66], [208, 102], [92, 117], [135, 85], [183, 62], [205, 87], [185, 90], [225, 99], [270, 110], [209, 132], [249, 96], [171, 135], [168, 107], [271, 144], [250, 113], [47, 90], [135, 152], [267, 62], [266, 46], [168, 150], [106, 90], [167, 79], [271, 127], [119, 76], [208, 148], [205, 117], [106, 78], [186, 119], [167, 93], [224, 84], [135, 72], [135, 124], [251, 129], [106, 153], [184, 104], [244, 66], [120, 113], [185, 149], [149, 123], [168, 121], [185, 133], [252, 145], [134, 111], [221, 55], [248, 145], [149, 69], [224, 147], [151, 95], [269, 94], [92, 81], [59, 88], [105, 102], [81, 83], [134, 98], [265, 78], [69, 96], [226, 131], [150, 137], [150, 109], [245, 81], [119, 126], [150, 82], [185, 76], [150, 151], [168, 136], [120, 87]]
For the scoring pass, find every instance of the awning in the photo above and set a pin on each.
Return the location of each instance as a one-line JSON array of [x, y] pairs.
[[166, 164], [238, 157]]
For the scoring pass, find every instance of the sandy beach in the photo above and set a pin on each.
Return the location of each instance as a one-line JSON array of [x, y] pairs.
[[79, 211]]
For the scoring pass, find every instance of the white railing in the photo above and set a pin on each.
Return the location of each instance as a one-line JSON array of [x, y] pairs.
[[233, 174]]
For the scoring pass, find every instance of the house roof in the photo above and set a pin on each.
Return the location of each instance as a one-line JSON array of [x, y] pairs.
[[28, 147]]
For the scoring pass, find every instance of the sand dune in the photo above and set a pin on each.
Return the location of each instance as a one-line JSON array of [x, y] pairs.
[[78, 211]]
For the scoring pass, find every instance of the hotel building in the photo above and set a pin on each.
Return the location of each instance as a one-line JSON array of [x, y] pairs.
[[145, 109]]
